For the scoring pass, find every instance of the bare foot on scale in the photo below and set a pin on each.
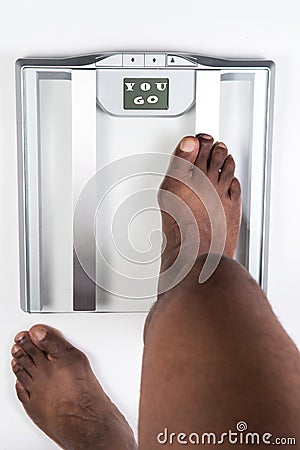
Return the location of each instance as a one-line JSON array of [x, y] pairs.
[[215, 162]]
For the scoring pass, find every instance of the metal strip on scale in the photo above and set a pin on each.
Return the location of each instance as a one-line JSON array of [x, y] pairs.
[[208, 102], [84, 167], [256, 262], [31, 173]]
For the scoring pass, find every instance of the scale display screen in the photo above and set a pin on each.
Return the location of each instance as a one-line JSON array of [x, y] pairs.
[[146, 93]]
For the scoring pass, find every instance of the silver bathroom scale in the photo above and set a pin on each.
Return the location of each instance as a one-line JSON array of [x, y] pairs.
[[94, 138]]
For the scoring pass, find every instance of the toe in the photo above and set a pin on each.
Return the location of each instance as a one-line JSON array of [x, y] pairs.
[[187, 148], [23, 359], [187, 151], [22, 393], [227, 172], [49, 340], [17, 351], [20, 336], [235, 189], [206, 142], [24, 341], [218, 155], [22, 375]]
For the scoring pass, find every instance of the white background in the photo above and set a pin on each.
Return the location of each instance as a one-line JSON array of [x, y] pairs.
[[254, 29]]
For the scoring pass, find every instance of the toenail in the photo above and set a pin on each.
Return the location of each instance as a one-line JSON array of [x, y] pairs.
[[205, 136], [13, 363], [20, 337], [222, 145], [39, 334], [16, 351], [187, 144], [230, 157]]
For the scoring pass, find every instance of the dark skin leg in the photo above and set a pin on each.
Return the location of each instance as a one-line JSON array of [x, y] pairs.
[[215, 354]]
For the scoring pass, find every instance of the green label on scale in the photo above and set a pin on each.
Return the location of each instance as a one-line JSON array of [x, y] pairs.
[[146, 93]]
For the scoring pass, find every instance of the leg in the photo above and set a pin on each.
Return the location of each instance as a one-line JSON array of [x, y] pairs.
[[62, 396], [215, 354]]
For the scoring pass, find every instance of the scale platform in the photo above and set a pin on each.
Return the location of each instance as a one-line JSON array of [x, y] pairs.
[[94, 138]]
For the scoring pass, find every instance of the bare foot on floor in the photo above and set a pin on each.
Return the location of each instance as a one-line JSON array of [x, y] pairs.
[[62, 396], [213, 160]]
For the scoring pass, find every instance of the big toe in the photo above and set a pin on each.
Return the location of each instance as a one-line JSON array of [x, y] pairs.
[[187, 148], [184, 156], [50, 340]]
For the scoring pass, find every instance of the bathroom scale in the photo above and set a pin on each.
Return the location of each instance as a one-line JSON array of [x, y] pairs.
[[95, 134]]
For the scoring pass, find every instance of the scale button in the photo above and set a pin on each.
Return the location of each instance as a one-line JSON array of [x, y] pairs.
[[173, 60], [110, 61], [133, 60], [152, 60]]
